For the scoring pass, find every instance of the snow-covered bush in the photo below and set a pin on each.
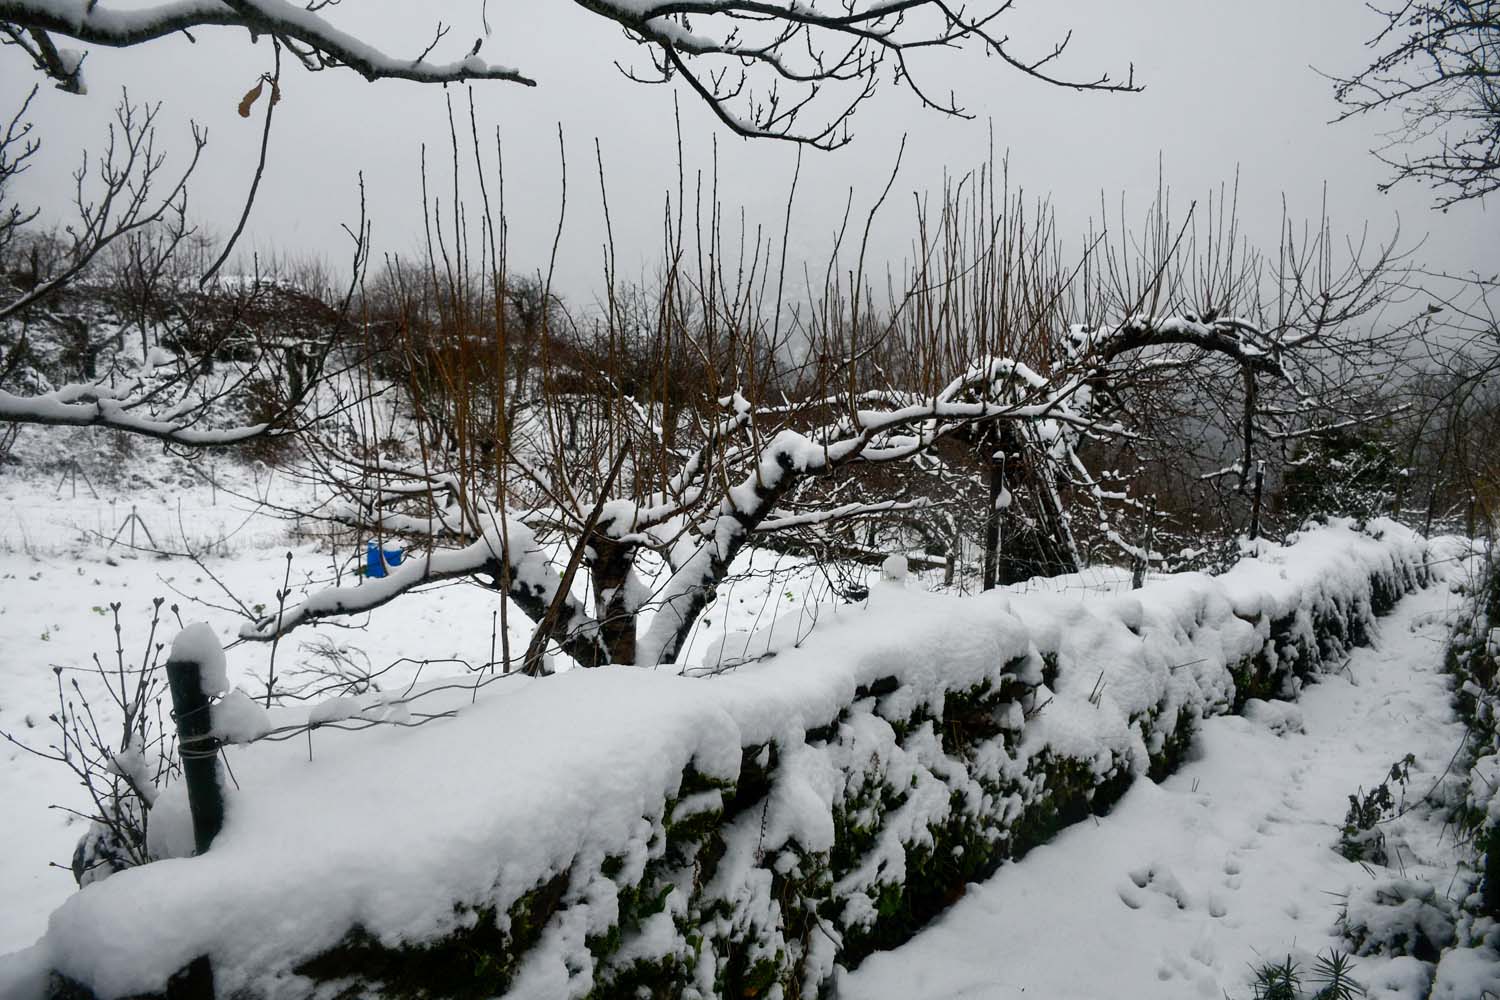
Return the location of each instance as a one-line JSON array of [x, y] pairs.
[[1471, 967], [1475, 665], [1348, 472], [1397, 916], [1279, 717], [1443, 935], [1361, 839], [740, 835]]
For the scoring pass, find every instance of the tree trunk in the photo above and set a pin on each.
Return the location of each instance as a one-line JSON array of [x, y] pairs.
[[1260, 483], [955, 543], [1248, 427], [610, 574], [1045, 547], [995, 464]]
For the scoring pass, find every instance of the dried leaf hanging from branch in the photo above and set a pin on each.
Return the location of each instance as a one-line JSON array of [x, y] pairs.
[[248, 101]]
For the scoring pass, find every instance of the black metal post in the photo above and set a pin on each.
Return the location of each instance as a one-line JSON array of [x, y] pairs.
[[199, 752], [198, 749]]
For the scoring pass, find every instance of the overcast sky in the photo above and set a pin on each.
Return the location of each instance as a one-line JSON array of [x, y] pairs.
[[1229, 85]]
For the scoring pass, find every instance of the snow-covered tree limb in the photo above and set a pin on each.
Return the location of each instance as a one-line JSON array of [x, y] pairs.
[[84, 405], [511, 553], [811, 48], [1238, 339], [849, 511], [313, 37], [793, 71]]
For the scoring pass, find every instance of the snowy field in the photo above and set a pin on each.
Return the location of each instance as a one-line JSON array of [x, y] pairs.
[[60, 571], [1177, 893]]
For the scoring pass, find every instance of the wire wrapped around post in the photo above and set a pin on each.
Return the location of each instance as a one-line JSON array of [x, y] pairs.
[[199, 752], [198, 749]]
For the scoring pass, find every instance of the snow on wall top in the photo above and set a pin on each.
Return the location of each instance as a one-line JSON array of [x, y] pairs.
[[390, 828]]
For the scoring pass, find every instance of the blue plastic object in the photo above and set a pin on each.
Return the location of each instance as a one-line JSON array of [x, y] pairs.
[[375, 566]]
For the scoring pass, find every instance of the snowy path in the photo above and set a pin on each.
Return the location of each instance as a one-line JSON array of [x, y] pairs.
[[1228, 862]]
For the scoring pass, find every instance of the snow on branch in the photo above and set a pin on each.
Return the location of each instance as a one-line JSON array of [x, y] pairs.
[[506, 551], [849, 511], [241, 359], [794, 71], [827, 56], [121, 409], [1237, 338], [315, 41], [1001, 389]]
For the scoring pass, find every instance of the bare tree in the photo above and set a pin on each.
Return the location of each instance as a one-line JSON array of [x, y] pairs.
[[1448, 443], [778, 424], [782, 69], [114, 196], [1438, 65], [173, 385], [17, 146]]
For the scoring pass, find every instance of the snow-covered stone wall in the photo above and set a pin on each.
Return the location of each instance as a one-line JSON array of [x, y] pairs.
[[619, 830]]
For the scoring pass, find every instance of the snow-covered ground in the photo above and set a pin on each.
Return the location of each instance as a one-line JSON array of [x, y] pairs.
[[1176, 893], [1226, 865], [317, 845], [66, 555]]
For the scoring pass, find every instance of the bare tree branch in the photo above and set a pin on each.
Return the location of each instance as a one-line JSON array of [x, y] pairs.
[[794, 70], [1438, 66]]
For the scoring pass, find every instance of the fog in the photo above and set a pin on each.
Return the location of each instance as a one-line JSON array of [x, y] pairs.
[[1231, 90]]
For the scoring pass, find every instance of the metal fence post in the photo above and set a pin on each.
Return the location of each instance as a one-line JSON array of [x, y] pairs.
[[199, 752]]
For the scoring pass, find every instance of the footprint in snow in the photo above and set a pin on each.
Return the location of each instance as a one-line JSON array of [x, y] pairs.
[[1427, 620], [1155, 880], [1174, 967], [1232, 877]]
